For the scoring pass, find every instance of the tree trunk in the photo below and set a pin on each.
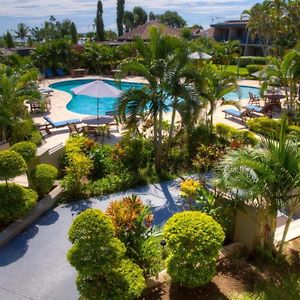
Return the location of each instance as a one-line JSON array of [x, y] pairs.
[[286, 229], [159, 142], [172, 125]]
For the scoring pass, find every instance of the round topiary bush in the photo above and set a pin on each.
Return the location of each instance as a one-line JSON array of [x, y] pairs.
[[15, 202], [42, 178], [99, 257], [26, 149], [193, 239], [11, 164]]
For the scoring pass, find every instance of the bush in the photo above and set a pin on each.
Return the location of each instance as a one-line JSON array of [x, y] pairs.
[[26, 149], [98, 256], [75, 181], [15, 202], [227, 134], [12, 164], [112, 183], [103, 163], [133, 223], [193, 239], [42, 178], [254, 68], [36, 137], [264, 126], [78, 144], [252, 60]]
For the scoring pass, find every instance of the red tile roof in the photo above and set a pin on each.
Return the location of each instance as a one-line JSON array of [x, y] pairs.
[[143, 31]]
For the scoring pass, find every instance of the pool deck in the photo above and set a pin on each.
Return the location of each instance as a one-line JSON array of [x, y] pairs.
[[59, 111]]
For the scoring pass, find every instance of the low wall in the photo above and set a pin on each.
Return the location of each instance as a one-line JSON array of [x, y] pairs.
[[50, 156], [41, 207]]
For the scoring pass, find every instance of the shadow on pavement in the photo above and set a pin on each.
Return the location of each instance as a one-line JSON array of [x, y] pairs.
[[48, 218], [17, 247]]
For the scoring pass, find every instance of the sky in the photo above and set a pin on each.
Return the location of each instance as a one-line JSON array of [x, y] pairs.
[[82, 12]]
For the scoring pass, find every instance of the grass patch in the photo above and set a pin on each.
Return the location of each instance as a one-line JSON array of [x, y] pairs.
[[234, 70]]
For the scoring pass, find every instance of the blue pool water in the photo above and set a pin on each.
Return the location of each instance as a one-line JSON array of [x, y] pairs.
[[88, 105]]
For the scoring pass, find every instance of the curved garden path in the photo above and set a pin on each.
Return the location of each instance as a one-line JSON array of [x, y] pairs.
[[34, 265]]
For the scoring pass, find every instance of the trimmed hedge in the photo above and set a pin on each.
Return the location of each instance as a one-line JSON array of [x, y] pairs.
[[26, 149], [15, 202], [264, 126], [252, 60], [254, 68], [193, 239], [12, 164], [42, 178]]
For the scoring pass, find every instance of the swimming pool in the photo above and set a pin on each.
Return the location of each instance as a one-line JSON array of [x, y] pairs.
[[88, 105]]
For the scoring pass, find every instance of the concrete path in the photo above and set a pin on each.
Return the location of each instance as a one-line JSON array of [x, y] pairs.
[[34, 264]]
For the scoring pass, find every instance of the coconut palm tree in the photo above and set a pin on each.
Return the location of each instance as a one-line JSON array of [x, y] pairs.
[[22, 31], [268, 178], [260, 24]]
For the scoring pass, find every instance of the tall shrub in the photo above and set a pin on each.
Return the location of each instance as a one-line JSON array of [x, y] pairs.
[[98, 256], [193, 239], [42, 178]]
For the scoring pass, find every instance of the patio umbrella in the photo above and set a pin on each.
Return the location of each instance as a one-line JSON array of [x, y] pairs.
[[98, 89], [199, 55]]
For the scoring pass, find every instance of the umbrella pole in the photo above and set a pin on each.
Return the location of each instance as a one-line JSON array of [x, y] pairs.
[[98, 111]]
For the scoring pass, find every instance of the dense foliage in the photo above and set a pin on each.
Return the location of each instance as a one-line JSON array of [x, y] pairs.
[[15, 202], [193, 240], [133, 226], [98, 256]]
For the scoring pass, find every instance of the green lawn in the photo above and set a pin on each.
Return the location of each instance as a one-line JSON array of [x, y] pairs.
[[234, 69]]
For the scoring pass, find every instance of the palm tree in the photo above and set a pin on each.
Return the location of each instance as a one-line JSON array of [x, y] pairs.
[[218, 84], [152, 64], [286, 74], [22, 31], [16, 86], [268, 178], [260, 24]]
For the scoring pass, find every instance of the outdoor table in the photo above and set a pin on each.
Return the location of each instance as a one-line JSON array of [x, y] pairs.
[[78, 72], [274, 98], [100, 120]]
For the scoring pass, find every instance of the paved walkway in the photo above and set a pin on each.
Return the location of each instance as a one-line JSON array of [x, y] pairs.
[[34, 264]]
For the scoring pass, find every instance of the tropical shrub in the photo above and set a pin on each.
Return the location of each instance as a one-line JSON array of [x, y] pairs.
[[15, 202], [264, 126], [133, 225], [188, 190], [12, 164], [78, 144], [112, 183], [98, 256], [102, 160], [26, 149], [206, 157], [228, 135], [78, 168], [42, 178], [193, 239]]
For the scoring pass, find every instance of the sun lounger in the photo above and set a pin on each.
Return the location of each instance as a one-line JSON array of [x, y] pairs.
[[47, 91], [48, 73], [60, 72], [51, 124], [254, 108], [237, 114]]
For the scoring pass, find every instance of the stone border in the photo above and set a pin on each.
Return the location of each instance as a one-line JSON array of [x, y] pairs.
[[41, 207]]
